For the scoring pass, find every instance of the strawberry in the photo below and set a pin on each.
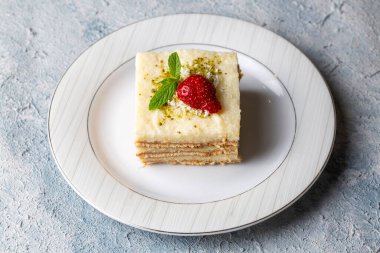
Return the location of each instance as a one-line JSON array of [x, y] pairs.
[[199, 93]]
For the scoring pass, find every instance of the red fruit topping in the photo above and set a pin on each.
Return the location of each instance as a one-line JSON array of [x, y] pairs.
[[199, 93]]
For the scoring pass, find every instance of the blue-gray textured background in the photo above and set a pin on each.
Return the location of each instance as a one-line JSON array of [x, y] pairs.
[[39, 211]]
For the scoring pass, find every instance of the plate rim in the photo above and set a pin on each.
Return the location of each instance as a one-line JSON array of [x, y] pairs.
[[291, 97]]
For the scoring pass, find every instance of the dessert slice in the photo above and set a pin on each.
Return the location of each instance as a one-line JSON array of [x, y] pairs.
[[187, 107]]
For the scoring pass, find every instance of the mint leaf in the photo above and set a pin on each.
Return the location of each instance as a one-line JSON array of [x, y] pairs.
[[165, 93], [174, 65], [169, 85]]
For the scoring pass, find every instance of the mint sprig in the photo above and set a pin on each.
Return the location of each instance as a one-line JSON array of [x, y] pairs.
[[164, 94], [168, 85], [174, 65]]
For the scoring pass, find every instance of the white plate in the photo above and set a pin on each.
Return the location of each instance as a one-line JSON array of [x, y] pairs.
[[288, 127], [268, 128]]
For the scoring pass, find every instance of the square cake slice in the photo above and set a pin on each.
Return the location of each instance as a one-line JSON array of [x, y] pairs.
[[175, 121]]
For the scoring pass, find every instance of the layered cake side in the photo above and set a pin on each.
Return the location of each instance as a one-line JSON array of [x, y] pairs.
[[187, 107]]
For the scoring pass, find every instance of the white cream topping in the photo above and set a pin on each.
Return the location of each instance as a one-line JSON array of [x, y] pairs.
[[196, 126], [185, 72], [180, 108]]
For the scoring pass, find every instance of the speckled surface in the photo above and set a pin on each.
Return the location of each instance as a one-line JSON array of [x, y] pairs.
[[40, 212]]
